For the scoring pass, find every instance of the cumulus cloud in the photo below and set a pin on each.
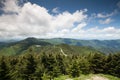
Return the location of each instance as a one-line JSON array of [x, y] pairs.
[[32, 20], [10, 6], [106, 21]]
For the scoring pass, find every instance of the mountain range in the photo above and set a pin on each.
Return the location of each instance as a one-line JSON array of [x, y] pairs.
[[105, 46], [64, 46]]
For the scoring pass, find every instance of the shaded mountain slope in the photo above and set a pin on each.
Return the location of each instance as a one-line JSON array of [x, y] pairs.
[[51, 45], [33, 45], [105, 46], [18, 47]]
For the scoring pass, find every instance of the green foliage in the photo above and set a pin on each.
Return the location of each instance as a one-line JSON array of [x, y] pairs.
[[84, 66], [62, 64], [47, 66], [74, 69], [16, 48], [105, 46], [3, 69], [113, 64], [85, 46], [25, 68], [97, 63]]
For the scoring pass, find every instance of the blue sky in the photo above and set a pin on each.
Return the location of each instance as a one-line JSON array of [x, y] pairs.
[[72, 5], [79, 19], [93, 7]]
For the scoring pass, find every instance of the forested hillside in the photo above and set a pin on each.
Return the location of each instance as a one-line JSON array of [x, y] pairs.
[[19, 47], [38, 59], [59, 39], [40, 46], [49, 66], [16, 48], [105, 46]]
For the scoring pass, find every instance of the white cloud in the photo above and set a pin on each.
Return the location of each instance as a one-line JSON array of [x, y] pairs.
[[96, 33], [104, 15], [92, 33], [67, 20], [55, 10], [79, 27], [11, 6], [106, 21], [33, 20]]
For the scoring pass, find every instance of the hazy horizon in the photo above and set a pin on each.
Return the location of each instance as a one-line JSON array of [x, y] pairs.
[[18, 39]]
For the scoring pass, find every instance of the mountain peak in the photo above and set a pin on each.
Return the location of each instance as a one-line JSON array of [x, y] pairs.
[[31, 39]]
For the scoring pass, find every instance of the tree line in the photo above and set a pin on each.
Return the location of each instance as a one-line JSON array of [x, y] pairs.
[[48, 66]]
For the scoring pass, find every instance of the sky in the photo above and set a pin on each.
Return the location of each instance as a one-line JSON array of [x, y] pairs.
[[78, 19]]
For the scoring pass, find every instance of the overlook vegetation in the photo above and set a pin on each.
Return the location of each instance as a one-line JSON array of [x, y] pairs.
[[39, 59], [48, 66]]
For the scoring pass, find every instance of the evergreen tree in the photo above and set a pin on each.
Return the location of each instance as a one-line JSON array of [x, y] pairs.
[[84, 65], [61, 64], [49, 63], [40, 70], [97, 63], [3, 69], [74, 69], [113, 63], [25, 68]]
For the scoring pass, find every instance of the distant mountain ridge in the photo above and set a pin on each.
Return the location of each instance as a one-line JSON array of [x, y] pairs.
[[14, 48], [105, 46], [45, 45]]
